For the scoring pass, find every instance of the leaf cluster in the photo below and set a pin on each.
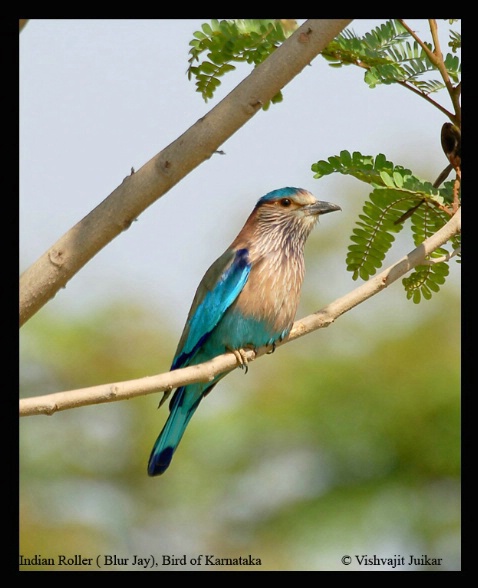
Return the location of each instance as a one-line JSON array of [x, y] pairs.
[[233, 41], [389, 55], [395, 191], [455, 41]]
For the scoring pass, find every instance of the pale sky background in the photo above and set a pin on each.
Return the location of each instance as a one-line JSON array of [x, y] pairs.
[[98, 97]]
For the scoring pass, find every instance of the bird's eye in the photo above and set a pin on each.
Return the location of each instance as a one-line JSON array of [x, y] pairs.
[[285, 202]]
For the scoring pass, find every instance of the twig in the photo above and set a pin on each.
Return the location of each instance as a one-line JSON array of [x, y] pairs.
[[447, 257]]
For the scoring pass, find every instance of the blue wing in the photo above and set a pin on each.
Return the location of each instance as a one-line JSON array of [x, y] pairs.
[[219, 288]]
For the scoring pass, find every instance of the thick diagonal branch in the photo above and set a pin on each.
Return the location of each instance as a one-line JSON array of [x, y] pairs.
[[51, 272]]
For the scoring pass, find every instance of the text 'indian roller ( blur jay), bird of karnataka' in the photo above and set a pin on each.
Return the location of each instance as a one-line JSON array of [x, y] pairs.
[[247, 299]]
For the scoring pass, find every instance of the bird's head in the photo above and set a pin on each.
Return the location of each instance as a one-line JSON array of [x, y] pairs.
[[282, 218], [292, 204]]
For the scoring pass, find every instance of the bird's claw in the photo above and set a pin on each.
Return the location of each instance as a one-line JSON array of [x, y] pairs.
[[273, 348], [241, 357]]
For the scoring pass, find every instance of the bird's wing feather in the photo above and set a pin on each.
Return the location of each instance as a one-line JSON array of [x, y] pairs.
[[220, 286]]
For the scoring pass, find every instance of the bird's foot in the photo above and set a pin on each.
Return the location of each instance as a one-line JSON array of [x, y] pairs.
[[241, 357], [273, 348]]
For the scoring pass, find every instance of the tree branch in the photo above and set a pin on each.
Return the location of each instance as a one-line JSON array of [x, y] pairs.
[[41, 281], [427, 97], [436, 57], [205, 372]]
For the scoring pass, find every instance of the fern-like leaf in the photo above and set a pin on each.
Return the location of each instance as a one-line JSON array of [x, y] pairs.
[[226, 42], [373, 234], [347, 48], [426, 279], [395, 191], [455, 41], [390, 55]]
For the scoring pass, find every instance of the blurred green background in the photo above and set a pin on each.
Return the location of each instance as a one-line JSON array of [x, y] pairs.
[[346, 441]]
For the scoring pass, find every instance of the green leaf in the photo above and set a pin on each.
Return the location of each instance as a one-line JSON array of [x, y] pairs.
[[455, 41], [395, 192], [390, 55], [424, 280], [387, 179], [207, 67], [234, 41]]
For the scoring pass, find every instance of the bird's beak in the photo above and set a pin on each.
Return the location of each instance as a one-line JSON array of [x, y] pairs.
[[320, 207]]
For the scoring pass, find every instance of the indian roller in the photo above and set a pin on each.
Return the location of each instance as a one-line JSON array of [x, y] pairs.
[[247, 299]]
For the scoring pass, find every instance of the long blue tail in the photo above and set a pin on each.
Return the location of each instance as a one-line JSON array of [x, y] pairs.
[[183, 405]]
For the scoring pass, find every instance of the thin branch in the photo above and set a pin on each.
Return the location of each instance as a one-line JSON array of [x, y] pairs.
[[433, 57], [51, 272], [440, 63], [426, 97], [447, 257], [205, 372], [436, 57]]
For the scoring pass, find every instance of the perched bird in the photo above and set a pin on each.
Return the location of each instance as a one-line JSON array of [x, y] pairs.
[[247, 299]]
